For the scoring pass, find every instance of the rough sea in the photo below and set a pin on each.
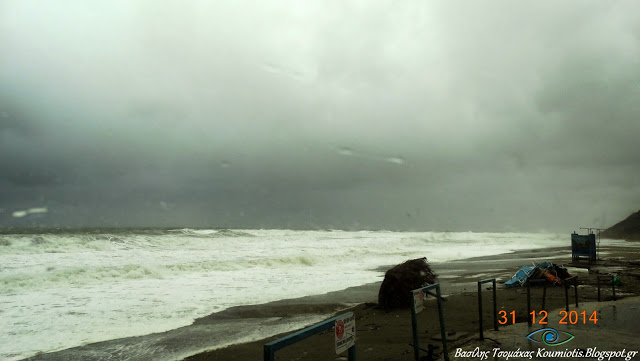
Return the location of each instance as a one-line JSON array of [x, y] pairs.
[[65, 290]]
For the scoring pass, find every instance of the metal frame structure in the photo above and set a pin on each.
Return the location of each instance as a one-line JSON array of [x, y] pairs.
[[574, 279], [495, 305], [584, 246], [544, 297], [613, 285], [414, 322], [273, 346]]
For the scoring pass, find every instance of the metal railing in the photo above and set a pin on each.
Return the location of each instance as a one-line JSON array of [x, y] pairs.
[[544, 297], [573, 280], [613, 285], [273, 346], [414, 321], [495, 306]]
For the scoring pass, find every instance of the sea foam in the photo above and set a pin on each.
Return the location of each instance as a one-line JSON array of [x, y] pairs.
[[65, 290]]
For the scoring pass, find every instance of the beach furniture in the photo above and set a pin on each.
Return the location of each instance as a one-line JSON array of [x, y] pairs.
[[552, 273], [520, 277]]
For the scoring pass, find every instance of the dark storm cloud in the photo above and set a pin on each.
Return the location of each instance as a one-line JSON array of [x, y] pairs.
[[409, 115]]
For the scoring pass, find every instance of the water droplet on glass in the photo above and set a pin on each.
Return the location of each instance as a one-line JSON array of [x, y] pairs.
[[19, 214], [345, 151], [396, 160]]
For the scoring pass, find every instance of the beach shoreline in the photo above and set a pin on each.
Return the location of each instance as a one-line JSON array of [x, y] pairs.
[[386, 335]]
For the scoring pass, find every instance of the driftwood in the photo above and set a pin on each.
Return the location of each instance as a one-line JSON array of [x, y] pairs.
[[400, 280]]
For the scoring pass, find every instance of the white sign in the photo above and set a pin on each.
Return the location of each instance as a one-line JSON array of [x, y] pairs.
[[418, 300], [345, 332]]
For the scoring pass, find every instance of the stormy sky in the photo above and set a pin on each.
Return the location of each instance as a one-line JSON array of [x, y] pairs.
[[402, 115]]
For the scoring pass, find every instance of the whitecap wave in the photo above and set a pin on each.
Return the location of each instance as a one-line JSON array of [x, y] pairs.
[[82, 288]]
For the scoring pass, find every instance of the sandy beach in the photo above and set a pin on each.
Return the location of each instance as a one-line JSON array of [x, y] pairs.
[[387, 335], [191, 180]]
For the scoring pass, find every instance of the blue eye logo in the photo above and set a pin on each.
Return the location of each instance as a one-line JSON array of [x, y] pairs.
[[550, 336]]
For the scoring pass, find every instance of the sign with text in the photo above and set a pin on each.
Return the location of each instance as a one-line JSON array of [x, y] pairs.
[[345, 332], [418, 300]]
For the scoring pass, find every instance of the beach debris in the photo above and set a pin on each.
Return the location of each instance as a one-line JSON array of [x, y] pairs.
[[430, 353], [400, 280], [373, 326], [553, 273], [451, 336], [430, 347]]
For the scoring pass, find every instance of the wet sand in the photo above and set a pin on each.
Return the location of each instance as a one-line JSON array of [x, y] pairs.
[[381, 335], [386, 335]]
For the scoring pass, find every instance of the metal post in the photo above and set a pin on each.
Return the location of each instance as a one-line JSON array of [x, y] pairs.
[[414, 324], [566, 296], [268, 353], [575, 285], [480, 309], [273, 346], [443, 332], [613, 287], [529, 303], [495, 306]]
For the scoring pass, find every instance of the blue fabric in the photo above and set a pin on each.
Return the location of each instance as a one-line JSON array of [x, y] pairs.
[[520, 277]]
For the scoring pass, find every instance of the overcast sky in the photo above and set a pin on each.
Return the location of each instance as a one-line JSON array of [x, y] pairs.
[[421, 115]]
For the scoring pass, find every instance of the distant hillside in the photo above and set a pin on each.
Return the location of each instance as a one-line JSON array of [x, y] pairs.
[[628, 229]]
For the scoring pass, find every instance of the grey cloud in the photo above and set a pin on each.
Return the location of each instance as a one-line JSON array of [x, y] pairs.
[[488, 116]]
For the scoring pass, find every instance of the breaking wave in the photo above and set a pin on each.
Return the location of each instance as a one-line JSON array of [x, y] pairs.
[[95, 286], [211, 232], [64, 243], [55, 276]]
